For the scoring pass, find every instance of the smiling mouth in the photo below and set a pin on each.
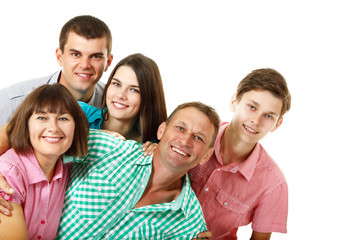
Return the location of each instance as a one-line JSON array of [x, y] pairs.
[[83, 75], [119, 105], [52, 139], [250, 129], [179, 151]]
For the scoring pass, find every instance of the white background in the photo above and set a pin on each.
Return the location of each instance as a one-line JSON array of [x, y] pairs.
[[204, 48]]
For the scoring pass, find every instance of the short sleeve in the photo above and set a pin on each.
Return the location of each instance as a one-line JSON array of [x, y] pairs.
[[93, 115], [271, 213], [16, 179]]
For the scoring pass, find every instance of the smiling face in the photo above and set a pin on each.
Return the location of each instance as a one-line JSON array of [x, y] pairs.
[[51, 134], [123, 98], [185, 140], [83, 63], [256, 114]]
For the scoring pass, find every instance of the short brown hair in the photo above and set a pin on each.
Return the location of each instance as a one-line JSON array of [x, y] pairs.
[[88, 27], [153, 108], [266, 79], [207, 110], [54, 98]]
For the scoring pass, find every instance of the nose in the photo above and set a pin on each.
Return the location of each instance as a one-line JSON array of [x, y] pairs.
[[186, 139], [53, 125], [84, 63], [256, 119], [121, 93]]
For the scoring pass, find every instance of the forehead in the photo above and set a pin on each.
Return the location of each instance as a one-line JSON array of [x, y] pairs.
[[80, 43], [263, 99], [127, 74]]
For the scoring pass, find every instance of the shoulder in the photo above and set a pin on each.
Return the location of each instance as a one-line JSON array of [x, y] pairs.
[[267, 163]]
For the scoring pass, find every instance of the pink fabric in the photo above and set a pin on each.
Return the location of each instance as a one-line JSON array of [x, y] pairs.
[[42, 201], [239, 193]]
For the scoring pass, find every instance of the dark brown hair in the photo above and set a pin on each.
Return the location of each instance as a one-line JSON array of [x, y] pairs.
[[266, 79], [153, 108], [207, 110], [55, 99], [88, 27]]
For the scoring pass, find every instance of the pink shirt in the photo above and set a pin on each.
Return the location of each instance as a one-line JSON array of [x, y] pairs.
[[239, 193], [42, 201]]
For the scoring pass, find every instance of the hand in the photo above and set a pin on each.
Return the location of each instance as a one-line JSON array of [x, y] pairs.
[[5, 206], [149, 148], [204, 235], [115, 134]]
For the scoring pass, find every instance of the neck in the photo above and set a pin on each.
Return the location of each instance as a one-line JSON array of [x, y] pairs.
[[163, 186], [125, 128], [83, 96], [232, 148], [48, 166]]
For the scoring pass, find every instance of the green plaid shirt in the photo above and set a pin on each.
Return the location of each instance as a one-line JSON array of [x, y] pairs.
[[104, 188]]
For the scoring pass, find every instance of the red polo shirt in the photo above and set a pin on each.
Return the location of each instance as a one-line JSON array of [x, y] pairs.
[[236, 194]]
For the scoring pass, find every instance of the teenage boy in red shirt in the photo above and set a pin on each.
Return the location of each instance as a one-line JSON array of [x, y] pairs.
[[241, 183]]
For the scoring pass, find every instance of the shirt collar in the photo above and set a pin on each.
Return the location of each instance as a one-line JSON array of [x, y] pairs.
[[178, 204], [36, 174], [247, 167]]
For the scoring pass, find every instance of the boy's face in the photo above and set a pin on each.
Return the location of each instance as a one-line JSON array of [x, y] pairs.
[[256, 114], [83, 62]]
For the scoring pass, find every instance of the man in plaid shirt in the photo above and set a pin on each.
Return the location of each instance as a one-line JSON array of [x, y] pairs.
[[117, 193]]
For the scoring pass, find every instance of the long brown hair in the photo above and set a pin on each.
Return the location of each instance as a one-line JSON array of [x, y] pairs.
[[153, 108]]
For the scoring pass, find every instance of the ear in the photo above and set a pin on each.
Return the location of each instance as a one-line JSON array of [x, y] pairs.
[[108, 62], [58, 54], [161, 130], [277, 125], [233, 102], [207, 155]]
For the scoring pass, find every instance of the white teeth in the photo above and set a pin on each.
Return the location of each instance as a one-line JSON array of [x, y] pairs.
[[52, 139], [83, 75], [250, 130], [179, 151], [118, 105]]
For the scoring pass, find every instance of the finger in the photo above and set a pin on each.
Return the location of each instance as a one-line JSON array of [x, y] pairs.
[[5, 206], [5, 187]]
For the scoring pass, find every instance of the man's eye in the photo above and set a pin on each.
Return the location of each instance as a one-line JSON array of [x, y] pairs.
[[75, 54], [268, 116], [180, 128], [199, 139], [251, 107]]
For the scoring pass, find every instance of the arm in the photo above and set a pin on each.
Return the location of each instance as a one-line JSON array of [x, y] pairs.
[[4, 140], [14, 226], [260, 236]]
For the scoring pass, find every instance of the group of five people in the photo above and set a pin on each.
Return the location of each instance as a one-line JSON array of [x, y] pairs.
[[203, 176]]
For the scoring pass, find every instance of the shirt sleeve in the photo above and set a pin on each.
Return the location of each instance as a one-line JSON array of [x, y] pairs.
[[271, 213], [100, 143], [93, 115], [8, 104], [16, 179]]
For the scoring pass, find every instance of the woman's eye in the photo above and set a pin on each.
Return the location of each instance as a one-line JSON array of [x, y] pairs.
[[135, 90], [41, 118], [63, 119]]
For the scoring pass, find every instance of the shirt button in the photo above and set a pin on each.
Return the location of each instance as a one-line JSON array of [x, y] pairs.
[[218, 169], [206, 189], [42, 222], [225, 203]]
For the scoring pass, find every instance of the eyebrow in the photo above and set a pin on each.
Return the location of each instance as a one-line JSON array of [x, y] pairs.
[[201, 134], [257, 105], [119, 81], [98, 53]]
